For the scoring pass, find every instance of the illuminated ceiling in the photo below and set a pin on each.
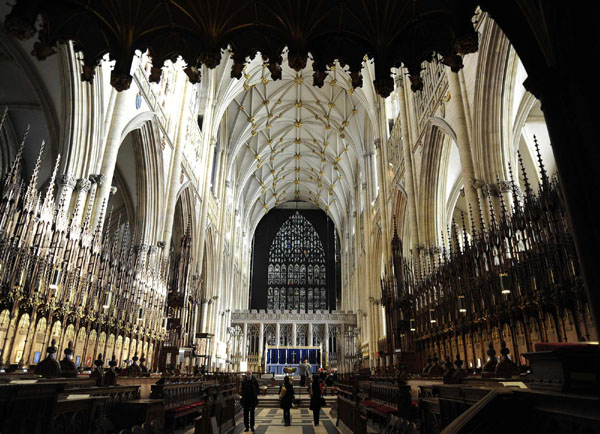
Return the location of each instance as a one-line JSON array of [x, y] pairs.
[[289, 140]]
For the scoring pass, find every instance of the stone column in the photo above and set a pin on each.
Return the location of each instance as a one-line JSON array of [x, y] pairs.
[[411, 198], [326, 346], [277, 335], [245, 342], [175, 178], [111, 150], [261, 341], [82, 187], [294, 334], [310, 334], [463, 144]]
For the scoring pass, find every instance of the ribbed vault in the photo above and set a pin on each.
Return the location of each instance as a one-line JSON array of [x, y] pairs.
[[289, 140]]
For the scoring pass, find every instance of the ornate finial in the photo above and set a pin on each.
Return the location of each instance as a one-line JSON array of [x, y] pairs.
[[528, 190], [544, 175], [480, 208], [31, 192], [67, 366], [98, 373], [502, 204], [490, 366], [14, 174], [98, 362], [493, 224], [99, 225], [458, 362], [52, 348], [113, 361], [472, 218], [49, 367], [49, 199], [506, 368], [464, 228]]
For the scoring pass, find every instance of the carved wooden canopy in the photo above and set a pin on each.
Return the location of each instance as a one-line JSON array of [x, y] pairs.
[[391, 32]]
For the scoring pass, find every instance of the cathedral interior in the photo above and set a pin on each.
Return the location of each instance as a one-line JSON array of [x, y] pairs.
[[400, 193]]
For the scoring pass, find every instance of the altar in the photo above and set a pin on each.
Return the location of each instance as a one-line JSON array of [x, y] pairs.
[[278, 358]]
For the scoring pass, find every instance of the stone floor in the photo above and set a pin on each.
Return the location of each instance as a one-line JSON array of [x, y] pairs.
[[270, 421]]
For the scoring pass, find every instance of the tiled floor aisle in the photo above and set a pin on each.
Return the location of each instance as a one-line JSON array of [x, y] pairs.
[[270, 421]]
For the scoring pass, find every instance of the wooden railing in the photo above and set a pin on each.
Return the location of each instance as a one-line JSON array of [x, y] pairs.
[[471, 410]]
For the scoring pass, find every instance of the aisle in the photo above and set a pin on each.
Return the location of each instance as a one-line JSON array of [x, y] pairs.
[[270, 421]]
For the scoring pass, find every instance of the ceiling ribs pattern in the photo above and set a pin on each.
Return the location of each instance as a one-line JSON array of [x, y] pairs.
[[392, 32]]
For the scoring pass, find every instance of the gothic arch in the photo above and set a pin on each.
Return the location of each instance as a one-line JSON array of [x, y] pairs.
[[143, 193], [434, 172], [491, 122]]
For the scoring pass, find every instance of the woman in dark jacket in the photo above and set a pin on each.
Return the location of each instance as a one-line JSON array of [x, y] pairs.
[[316, 398], [286, 401]]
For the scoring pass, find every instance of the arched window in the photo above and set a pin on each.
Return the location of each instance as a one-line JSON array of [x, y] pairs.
[[297, 257], [283, 274], [270, 274], [270, 298]]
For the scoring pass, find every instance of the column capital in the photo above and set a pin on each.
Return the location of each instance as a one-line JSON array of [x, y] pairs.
[[66, 180], [83, 185], [97, 179]]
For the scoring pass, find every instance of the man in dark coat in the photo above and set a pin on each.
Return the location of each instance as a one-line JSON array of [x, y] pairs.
[[304, 372], [249, 399]]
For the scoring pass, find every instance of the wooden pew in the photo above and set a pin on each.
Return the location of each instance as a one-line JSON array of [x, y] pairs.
[[123, 407], [79, 415], [181, 400], [349, 410], [28, 408], [381, 400]]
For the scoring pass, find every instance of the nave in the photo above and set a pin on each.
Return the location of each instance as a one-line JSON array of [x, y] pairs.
[[397, 194]]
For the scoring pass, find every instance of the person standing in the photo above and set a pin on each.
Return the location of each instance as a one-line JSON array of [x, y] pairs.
[[304, 372], [249, 399], [316, 398], [286, 399]]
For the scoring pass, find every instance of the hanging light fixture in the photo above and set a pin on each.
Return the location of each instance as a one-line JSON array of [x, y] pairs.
[[432, 318], [412, 324], [461, 304], [503, 290], [55, 279], [107, 297]]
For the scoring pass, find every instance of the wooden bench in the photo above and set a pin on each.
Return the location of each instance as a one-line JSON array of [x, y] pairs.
[[123, 407], [349, 410], [181, 400], [382, 400]]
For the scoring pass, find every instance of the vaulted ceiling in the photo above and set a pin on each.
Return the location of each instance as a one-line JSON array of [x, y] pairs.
[[289, 140]]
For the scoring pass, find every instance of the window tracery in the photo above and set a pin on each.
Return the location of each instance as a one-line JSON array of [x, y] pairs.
[[296, 259]]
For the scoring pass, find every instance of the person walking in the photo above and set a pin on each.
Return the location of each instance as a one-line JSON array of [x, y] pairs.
[[286, 399], [316, 398], [249, 399], [304, 372]]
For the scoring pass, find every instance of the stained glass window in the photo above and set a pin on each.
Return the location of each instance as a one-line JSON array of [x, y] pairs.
[[296, 257]]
